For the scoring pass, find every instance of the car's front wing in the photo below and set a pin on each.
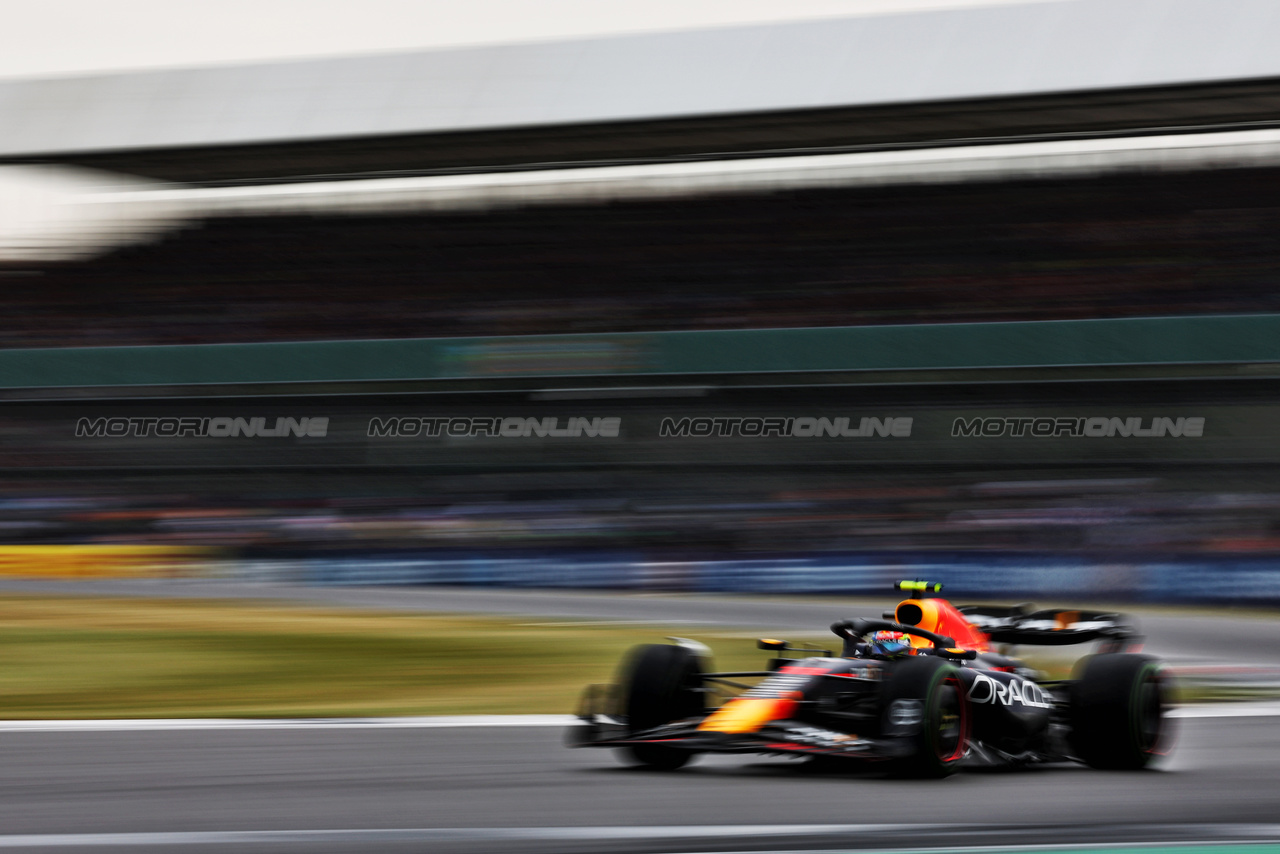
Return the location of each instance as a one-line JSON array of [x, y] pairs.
[[785, 738]]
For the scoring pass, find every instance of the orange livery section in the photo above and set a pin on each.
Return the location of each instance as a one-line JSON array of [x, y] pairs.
[[748, 714], [940, 617]]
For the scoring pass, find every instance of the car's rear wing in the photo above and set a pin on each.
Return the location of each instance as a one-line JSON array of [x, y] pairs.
[[1052, 627]]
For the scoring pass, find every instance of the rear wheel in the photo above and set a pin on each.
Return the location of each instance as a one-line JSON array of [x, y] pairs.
[[926, 705], [1118, 704], [662, 685]]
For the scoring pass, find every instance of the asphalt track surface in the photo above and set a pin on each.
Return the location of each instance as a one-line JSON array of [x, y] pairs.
[[517, 789]]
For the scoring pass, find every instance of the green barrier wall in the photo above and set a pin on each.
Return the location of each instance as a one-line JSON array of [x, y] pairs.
[[1115, 342]]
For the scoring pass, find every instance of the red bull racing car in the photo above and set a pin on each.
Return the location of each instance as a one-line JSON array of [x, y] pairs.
[[920, 691]]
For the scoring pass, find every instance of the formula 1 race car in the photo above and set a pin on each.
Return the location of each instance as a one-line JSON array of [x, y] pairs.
[[921, 692]]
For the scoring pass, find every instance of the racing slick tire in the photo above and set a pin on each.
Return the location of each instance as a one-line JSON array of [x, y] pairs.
[[1117, 714], [925, 704], [663, 684]]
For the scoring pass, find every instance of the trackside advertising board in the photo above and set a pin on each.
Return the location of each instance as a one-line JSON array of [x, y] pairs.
[[826, 425]]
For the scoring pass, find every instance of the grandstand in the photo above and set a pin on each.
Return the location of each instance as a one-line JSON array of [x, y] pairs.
[[1129, 246]]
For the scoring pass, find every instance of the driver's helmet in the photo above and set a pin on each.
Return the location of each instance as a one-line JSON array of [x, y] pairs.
[[890, 643]]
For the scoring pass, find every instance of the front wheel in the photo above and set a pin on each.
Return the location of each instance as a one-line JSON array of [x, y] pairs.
[[1118, 705], [925, 704], [663, 684]]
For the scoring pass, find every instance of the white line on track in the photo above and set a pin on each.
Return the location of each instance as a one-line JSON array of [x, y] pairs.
[[444, 834], [1220, 710], [1228, 834], [125, 725], [1229, 710]]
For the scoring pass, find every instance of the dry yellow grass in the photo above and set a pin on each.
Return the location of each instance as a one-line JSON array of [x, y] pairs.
[[70, 657]]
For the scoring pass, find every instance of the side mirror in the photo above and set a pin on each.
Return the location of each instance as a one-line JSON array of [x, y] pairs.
[[953, 653]]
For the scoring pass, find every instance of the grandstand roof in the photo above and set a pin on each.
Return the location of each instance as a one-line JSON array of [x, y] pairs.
[[999, 49]]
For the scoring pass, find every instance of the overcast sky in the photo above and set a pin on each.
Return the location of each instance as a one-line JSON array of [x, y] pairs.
[[67, 37]]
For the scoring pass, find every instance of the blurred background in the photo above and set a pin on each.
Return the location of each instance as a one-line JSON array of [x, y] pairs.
[[962, 216]]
